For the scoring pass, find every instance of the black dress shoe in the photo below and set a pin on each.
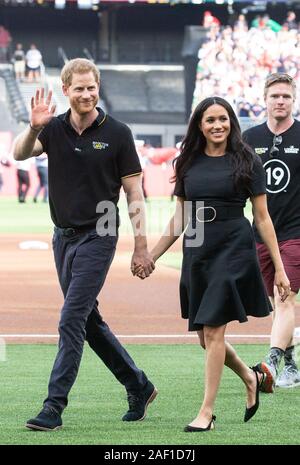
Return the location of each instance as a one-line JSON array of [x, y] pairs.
[[251, 411], [138, 403], [194, 429], [47, 420]]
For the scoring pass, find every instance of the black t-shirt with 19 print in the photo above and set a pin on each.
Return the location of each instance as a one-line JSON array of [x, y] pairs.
[[86, 169], [282, 177]]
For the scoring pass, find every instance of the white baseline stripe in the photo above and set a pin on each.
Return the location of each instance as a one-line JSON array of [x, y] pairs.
[[137, 336]]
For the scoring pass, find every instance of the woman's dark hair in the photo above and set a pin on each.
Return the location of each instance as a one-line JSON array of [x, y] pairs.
[[241, 155]]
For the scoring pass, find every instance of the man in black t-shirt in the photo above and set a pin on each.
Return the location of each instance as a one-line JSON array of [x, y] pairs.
[[277, 141], [91, 156]]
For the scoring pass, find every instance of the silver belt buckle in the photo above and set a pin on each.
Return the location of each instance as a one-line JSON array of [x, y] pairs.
[[206, 221]]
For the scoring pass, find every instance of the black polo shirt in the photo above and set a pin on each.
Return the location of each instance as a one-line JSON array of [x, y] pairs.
[[86, 169]]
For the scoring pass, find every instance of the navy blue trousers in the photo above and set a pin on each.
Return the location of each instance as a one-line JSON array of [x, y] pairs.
[[82, 263]]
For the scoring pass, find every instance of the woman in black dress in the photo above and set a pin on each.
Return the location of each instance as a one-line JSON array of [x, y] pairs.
[[220, 281]]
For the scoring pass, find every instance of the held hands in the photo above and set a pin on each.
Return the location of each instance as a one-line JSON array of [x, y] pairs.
[[142, 264], [283, 284], [41, 112]]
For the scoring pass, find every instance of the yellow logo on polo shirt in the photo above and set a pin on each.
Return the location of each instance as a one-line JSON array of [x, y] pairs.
[[99, 145], [261, 150]]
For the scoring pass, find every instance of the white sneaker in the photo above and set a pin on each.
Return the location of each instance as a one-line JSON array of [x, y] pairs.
[[288, 378]]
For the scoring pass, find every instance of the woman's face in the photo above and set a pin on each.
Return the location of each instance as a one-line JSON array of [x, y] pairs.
[[215, 125]]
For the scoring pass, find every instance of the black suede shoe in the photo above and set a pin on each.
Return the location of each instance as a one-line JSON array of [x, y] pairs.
[[138, 403], [47, 420]]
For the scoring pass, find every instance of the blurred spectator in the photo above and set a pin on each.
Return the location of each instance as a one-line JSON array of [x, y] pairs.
[[19, 62], [3, 162], [33, 63], [263, 22], [234, 63], [244, 109], [23, 179], [5, 40], [41, 163], [257, 111], [210, 20], [290, 21], [241, 23]]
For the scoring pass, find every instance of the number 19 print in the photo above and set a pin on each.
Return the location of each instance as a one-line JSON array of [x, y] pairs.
[[278, 175]]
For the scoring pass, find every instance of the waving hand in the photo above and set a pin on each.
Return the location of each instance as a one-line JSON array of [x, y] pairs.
[[41, 110]]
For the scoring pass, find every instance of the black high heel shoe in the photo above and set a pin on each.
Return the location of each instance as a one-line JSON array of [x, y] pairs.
[[193, 429], [251, 411]]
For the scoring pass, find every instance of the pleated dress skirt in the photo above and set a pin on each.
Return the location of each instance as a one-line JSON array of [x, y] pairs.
[[221, 279]]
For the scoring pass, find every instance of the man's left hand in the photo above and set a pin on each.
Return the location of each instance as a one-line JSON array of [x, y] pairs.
[[142, 264]]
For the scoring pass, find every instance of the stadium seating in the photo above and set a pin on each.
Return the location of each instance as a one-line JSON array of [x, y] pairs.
[[17, 104], [145, 96]]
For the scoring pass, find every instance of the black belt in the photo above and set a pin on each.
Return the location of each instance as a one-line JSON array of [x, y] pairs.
[[209, 213], [70, 232]]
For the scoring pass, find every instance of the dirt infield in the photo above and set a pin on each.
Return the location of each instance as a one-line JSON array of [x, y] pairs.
[[146, 310]]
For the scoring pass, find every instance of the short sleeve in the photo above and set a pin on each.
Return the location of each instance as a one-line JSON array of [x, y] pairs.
[[128, 160], [179, 188], [258, 182]]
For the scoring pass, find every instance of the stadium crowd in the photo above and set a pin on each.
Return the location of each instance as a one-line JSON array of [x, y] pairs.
[[235, 61]]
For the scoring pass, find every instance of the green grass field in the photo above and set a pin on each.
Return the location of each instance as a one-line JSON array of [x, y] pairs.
[[35, 217], [98, 401]]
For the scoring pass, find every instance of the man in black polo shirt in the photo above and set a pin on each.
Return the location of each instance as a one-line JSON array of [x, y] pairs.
[[277, 141], [91, 156]]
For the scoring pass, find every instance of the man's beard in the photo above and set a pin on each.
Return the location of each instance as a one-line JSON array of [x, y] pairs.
[[82, 109]]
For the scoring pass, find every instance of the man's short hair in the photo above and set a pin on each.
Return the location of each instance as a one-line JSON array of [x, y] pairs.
[[80, 66], [276, 78]]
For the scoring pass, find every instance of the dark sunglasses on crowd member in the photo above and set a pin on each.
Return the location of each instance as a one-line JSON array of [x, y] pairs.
[[277, 140]]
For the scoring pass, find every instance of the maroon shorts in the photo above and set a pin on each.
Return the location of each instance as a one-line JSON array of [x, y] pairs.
[[290, 255]]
